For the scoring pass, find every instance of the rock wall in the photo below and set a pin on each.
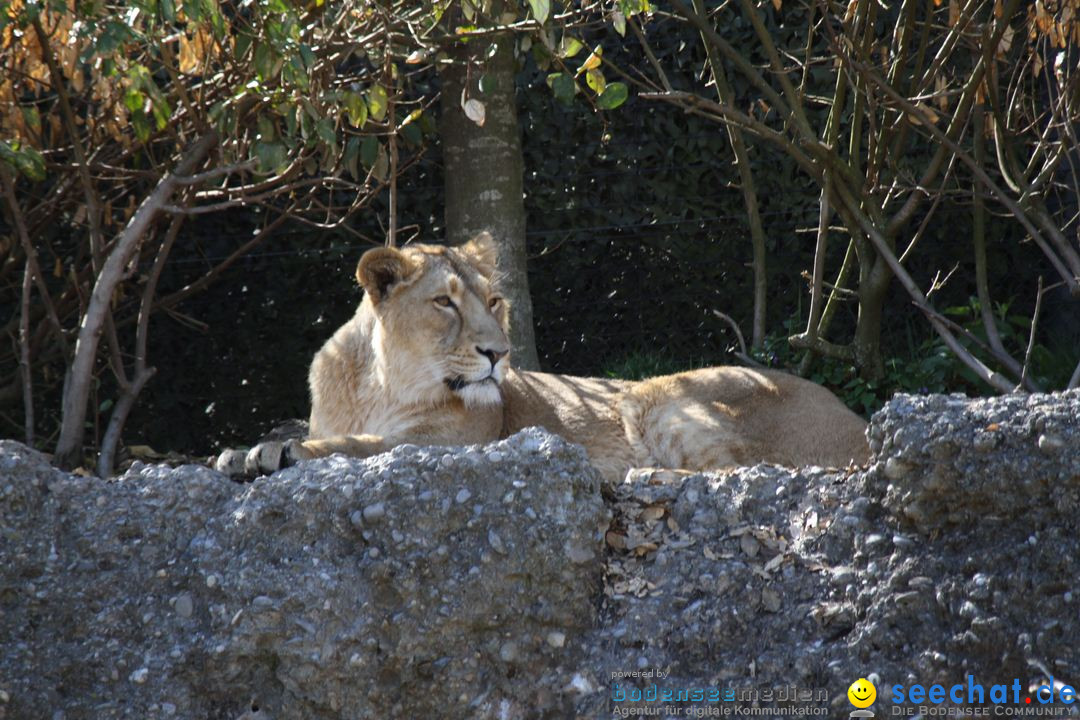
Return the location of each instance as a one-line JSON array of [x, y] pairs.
[[504, 582]]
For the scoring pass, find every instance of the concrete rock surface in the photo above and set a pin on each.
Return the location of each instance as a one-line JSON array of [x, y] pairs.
[[504, 582]]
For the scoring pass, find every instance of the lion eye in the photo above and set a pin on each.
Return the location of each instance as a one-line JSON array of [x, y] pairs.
[[444, 301], [494, 302]]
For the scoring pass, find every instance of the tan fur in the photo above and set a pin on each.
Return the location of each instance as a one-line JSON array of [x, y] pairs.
[[406, 368]]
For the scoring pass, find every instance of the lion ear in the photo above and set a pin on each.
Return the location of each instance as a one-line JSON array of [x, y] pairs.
[[380, 269], [483, 252]]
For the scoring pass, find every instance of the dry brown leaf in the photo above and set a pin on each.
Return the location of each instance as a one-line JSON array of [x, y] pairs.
[[1006, 42], [941, 85], [193, 49], [927, 112]]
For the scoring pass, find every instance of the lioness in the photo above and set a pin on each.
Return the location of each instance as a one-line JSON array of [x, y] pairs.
[[425, 360]]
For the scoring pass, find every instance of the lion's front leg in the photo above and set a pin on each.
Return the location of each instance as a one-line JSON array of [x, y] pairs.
[[273, 455]]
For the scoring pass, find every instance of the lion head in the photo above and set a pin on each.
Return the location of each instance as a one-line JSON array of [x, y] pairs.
[[440, 321]]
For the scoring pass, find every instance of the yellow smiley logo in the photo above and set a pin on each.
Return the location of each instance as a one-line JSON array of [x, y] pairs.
[[862, 693]]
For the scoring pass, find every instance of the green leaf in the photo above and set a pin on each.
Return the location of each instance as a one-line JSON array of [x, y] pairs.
[[324, 129], [633, 7], [161, 111], [295, 73], [112, 36], [168, 10], [267, 131], [193, 10], [272, 156], [595, 80], [243, 43], [613, 96], [217, 21], [264, 61], [563, 86], [570, 46], [618, 21], [412, 134], [307, 55], [540, 10], [32, 117], [352, 157], [141, 123], [133, 99], [26, 160], [356, 108], [369, 150], [377, 103]]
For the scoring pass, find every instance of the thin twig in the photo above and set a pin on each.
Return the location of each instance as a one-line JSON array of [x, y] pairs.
[[217, 173], [391, 235], [24, 354], [31, 258], [649, 54], [980, 173], [93, 207], [1031, 336], [991, 377], [820, 245], [742, 354]]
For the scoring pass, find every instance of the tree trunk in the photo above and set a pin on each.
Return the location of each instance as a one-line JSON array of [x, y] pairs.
[[873, 288], [484, 167]]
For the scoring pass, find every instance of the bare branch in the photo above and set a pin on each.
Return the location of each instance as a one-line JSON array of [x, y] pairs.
[[31, 257], [1031, 336], [742, 354], [24, 354], [881, 245], [804, 341], [388, 73], [116, 422], [1070, 276], [735, 57], [650, 55], [76, 390], [746, 178], [216, 173], [824, 213], [56, 77], [723, 113]]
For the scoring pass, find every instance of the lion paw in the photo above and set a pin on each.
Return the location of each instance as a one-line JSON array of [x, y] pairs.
[[263, 459]]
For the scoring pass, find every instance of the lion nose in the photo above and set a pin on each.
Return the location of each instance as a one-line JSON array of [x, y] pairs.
[[493, 355]]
